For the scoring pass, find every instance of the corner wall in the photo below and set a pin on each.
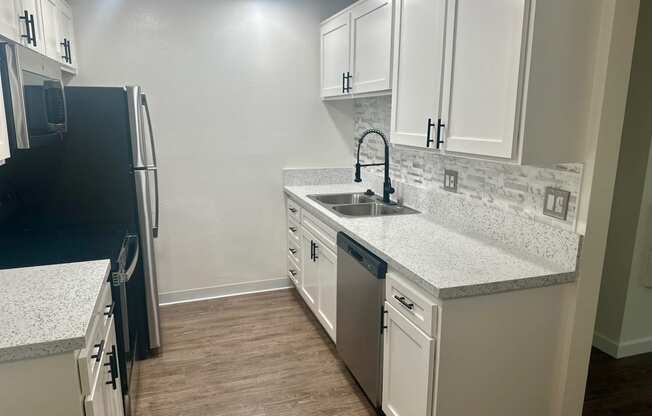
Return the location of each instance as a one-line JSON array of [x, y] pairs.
[[623, 322]]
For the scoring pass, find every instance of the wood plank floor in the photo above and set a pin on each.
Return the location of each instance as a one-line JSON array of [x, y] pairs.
[[619, 387], [251, 355]]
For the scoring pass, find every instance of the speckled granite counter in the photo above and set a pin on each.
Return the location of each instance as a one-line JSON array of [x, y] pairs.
[[46, 310], [443, 261]]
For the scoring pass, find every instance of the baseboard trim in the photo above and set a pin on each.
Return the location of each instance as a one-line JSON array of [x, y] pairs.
[[622, 349], [215, 292], [605, 344]]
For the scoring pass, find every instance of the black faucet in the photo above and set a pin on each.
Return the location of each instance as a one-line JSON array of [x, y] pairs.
[[387, 184]]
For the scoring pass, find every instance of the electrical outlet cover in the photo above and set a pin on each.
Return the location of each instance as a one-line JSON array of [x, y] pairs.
[[450, 180], [556, 203]]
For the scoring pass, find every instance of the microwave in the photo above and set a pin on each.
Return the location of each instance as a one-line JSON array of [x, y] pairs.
[[34, 98]]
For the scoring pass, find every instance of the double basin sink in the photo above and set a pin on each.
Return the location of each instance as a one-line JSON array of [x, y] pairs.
[[360, 205]]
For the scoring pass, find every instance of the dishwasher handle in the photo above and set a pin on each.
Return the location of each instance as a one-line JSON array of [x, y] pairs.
[[374, 264]]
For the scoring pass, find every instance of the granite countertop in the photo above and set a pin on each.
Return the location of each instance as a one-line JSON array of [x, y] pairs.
[[46, 310], [443, 261]]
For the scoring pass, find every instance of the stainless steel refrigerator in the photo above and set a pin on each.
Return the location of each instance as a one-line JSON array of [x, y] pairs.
[[109, 175]]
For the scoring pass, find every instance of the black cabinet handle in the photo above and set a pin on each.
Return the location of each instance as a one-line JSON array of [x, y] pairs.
[[100, 348], [293, 210], [429, 139], [402, 301], [293, 251], [31, 23], [29, 27], [113, 368], [440, 139], [314, 256], [348, 82], [65, 50], [69, 51], [312, 250], [293, 229], [293, 272], [111, 307], [343, 83]]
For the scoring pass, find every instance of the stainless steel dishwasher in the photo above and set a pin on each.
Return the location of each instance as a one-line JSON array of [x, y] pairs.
[[360, 297]]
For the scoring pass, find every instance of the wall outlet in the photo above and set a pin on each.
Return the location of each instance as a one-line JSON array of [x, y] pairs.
[[450, 180], [555, 203]]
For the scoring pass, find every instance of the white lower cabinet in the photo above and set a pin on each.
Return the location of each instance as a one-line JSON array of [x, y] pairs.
[[327, 303], [408, 367], [310, 282], [312, 264], [105, 398], [319, 281]]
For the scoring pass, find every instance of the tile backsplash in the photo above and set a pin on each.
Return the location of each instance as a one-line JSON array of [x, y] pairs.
[[512, 188]]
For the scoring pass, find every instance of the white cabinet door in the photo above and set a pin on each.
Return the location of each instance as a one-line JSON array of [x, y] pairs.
[[408, 367], [31, 29], [371, 46], [335, 41], [9, 20], [67, 33], [51, 31], [4, 133], [310, 279], [327, 301], [418, 70], [486, 49], [113, 396]]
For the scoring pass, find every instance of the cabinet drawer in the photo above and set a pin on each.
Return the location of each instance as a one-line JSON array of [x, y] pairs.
[[293, 210], [294, 271], [323, 232], [294, 251], [414, 305], [90, 357], [294, 232]]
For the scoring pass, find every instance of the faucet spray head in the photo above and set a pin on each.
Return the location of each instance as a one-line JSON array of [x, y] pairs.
[[357, 173]]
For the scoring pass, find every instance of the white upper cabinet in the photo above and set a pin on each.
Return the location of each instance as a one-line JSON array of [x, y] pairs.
[[371, 46], [356, 48], [418, 68], [45, 26], [67, 35], [58, 31], [496, 79], [53, 47], [482, 91], [335, 42], [30, 24], [9, 20]]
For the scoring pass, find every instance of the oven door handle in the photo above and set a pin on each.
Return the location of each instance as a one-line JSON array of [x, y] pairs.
[[132, 265]]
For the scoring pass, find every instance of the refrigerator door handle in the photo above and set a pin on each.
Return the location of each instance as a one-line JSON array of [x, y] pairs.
[[155, 165]]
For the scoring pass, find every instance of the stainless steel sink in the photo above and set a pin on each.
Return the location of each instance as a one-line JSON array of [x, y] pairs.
[[376, 209], [360, 205], [343, 199]]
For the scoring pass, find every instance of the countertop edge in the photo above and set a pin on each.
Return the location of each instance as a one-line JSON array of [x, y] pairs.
[[57, 346], [528, 282]]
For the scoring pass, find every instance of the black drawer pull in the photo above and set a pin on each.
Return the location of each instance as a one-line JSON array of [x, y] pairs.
[[111, 307], [293, 229], [292, 272], [100, 348], [402, 301], [293, 210], [293, 251]]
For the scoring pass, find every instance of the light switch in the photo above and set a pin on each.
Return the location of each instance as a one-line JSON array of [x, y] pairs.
[[556, 203], [450, 180]]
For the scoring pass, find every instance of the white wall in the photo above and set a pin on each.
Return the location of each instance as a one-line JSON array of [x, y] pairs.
[[234, 91], [623, 321]]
